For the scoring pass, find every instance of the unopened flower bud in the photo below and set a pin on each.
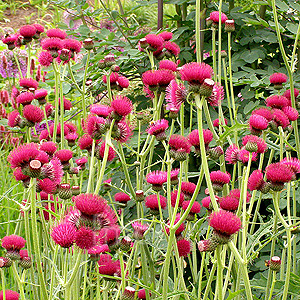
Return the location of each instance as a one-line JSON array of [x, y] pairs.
[[75, 190], [64, 191], [115, 68], [274, 263], [88, 44], [206, 87], [25, 263], [128, 293], [207, 245], [5, 262], [139, 196], [101, 64], [125, 244], [109, 60], [229, 26], [65, 54], [143, 43], [223, 54]]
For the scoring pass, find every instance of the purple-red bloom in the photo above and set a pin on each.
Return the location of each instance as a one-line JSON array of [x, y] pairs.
[[196, 73], [64, 234]]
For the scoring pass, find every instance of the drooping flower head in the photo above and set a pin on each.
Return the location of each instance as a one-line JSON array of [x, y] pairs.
[[166, 35], [225, 224], [33, 114], [278, 174], [139, 230], [154, 201], [155, 42], [175, 96], [158, 129], [121, 107], [25, 98], [291, 113], [257, 123], [256, 181], [179, 147], [28, 83], [217, 95], [279, 118], [254, 143], [287, 94], [218, 179], [264, 112], [171, 49], [13, 242], [157, 179], [184, 247], [277, 101], [45, 58], [278, 79], [123, 132], [195, 73]]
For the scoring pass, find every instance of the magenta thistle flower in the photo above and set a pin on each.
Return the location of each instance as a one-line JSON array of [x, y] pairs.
[[179, 147], [101, 150], [217, 122], [41, 95], [184, 247], [174, 198], [85, 238], [253, 143], [188, 189], [237, 193], [277, 101], [56, 33], [174, 176], [25, 98], [21, 156], [123, 132], [139, 230], [166, 35], [278, 79], [165, 77], [157, 179], [122, 197], [158, 129], [278, 174], [64, 234], [168, 64], [175, 95], [179, 230], [33, 114], [53, 45], [121, 106], [243, 156], [291, 113], [95, 126], [64, 155], [225, 224], [154, 41], [28, 31], [108, 235], [215, 15], [195, 140], [14, 119], [73, 45], [257, 123], [90, 204], [53, 170], [196, 73], [217, 95], [13, 242], [218, 179], [128, 293], [256, 181], [264, 112], [280, 118], [45, 58], [206, 202], [229, 203], [106, 265], [85, 142], [151, 78], [28, 83], [142, 294], [287, 94], [100, 110], [9, 295], [293, 163], [152, 203], [196, 208], [47, 185], [171, 48], [95, 251]]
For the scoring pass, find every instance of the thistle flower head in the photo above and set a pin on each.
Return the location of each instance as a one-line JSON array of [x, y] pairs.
[[225, 222], [171, 48], [264, 112], [166, 35], [13, 242], [151, 202], [277, 101], [237, 194], [9, 295], [85, 142], [278, 79], [188, 189], [101, 150], [121, 106], [158, 129], [142, 294], [253, 143], [90, 204], [280, 118], [123, 132], [219, 178], [196, 207], [217, 95], [106, 265], [45, 58], [33, 114], [64, 155], [278, 174], [168, 64], [64, 234], [293, 163], [184, 247], [257, 123], [139, 229], [179, 147], [52, 44], [85, 238], [72, 45], [27, 31], [287, 94], [25, 98], [157, 179], [291, 113], [100, 110], [56, 33], [175, 95], [256, 180], [14, 119], [196, 73], [215, 15], [122, 197], [28, 83], [243, 156], [174, 196], [154, 41], [229, 203]]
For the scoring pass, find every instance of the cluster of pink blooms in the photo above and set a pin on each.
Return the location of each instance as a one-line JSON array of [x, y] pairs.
[[13, 245]]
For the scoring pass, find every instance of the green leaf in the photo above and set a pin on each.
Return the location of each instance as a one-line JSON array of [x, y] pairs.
[[66, 87], [233, 295], [229, 130], [292, 27], [282, 5]]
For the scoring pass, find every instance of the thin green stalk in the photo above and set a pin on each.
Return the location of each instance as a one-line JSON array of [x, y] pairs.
[[230, 76], [220, 43], [3, 284], [213, 31], [56, 108], [197, 30], [219, 290], [18, 64], [91, 171], [273, 284], [84, 84], [19, 281], [227, 92], [210, 279]]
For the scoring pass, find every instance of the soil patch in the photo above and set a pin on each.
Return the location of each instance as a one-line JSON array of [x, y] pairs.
[[21, 14]]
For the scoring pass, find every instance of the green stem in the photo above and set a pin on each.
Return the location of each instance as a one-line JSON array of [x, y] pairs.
[[219, 290], [213, 31], [91, 171], [83, 84], [273, 284], [197, 30], [220, 43], [19, 281], [230, 76]]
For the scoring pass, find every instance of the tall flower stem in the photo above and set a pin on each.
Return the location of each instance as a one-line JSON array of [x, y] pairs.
[[28, 60], [288, 67], [273, 284], [289, 244], [91, 171], [220, 43], [227, 91], [3, 283], [19, 281], [18, 64], [36, 241], [213, 31], [230, 76], [199, 105], [105, 157], [56, 109], [219, 290], [197, 31], [84, 84]]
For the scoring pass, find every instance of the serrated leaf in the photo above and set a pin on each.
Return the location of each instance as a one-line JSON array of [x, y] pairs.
[[233, 295]]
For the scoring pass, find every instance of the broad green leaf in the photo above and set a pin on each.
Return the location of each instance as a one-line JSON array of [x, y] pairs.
[[233, 295]]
